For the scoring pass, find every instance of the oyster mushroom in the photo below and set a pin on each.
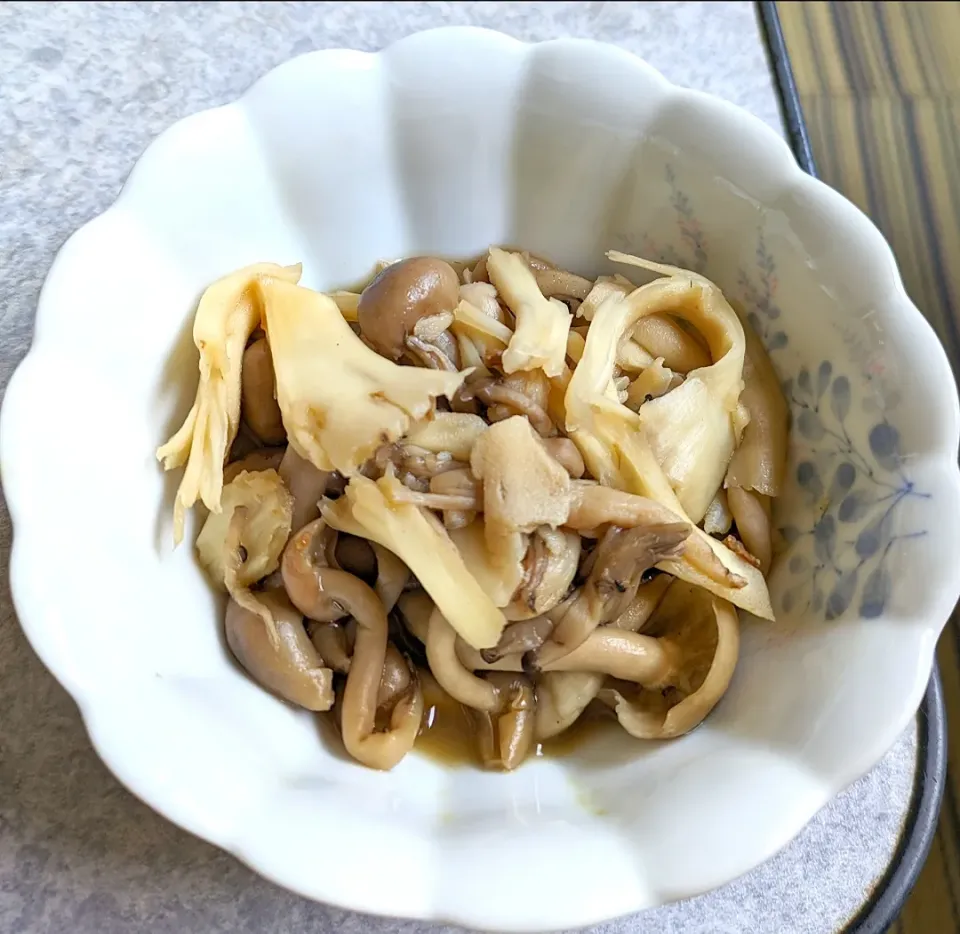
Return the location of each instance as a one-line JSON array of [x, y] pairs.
[[340, 399], [258, 394], [483, 297], [692, 429], [506, 735], [447, 432], [523, 487], [400, 296], [227, 315], [540, 338], [704, 561], [706, 631]]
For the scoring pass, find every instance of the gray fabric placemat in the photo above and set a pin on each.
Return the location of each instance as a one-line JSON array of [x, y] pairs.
[[85, 88]]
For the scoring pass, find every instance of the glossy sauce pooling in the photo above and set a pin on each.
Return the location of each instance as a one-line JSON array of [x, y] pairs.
[[447, 734]]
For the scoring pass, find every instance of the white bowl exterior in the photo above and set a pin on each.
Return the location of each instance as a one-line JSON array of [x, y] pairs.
[[447, 142]]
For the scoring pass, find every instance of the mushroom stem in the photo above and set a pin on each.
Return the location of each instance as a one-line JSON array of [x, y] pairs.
[[305, 561], [457, 681], [619, 653], [395, 679], [648, 598], [392, 577], [361, 692], [330, 640], [614, 579], [593, 506], [566, 453], [650, 715], [751, 512], [523, 636], [493, 393], [561, 697], [307, 486], [506, 736], [615, 652]]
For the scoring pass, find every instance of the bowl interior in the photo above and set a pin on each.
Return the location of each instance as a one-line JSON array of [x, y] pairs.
[[338, 160]]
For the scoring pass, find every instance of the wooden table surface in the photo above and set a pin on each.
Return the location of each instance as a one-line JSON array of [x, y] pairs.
[[880, 88]]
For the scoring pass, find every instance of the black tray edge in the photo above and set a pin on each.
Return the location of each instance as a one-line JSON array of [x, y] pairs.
[[891, 892]]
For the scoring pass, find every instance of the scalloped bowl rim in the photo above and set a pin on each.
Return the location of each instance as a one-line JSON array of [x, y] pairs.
[[32, 608]]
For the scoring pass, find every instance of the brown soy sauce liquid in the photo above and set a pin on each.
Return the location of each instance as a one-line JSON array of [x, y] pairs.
[[447, 734]]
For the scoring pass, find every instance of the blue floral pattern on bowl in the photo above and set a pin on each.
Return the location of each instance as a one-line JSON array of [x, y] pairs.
[[853, 488]]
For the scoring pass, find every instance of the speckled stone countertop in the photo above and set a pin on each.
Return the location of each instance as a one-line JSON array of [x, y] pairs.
[[85, 88]]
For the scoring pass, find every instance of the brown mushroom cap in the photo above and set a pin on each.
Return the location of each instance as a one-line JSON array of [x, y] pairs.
[[258, 394], [400, 296], [288, 665]]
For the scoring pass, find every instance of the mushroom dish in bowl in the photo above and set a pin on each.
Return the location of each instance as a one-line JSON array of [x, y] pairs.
[[556, 470]]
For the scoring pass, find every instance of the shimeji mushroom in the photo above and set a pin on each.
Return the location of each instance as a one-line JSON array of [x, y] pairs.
[[362, 693], [307, 486], [705, 634], [340, 399], [265, 508], [286, 664], [266, 634], [325, 594], [506, 735], [229, 312], [258, 394], [402, 295]]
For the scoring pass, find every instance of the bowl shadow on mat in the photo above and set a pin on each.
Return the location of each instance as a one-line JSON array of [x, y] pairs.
[[79, 852]]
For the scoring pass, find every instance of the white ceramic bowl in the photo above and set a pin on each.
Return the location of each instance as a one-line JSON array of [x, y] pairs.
[[447, 142]]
